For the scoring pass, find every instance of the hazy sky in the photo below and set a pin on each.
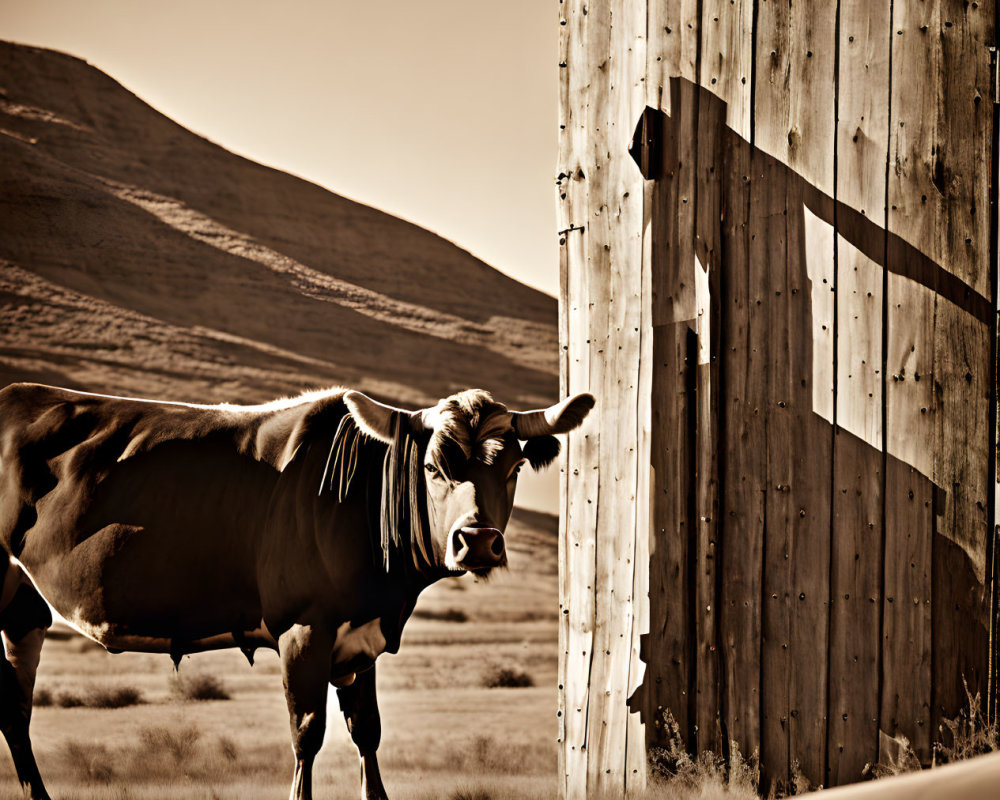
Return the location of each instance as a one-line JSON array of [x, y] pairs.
[[442, 112]]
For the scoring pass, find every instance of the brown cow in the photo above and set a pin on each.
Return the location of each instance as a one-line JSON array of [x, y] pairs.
[[308, 525]]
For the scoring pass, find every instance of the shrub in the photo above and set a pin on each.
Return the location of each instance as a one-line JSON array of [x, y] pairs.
[[113, 697], [896, 758], [674, 773], [445, 615], [69, 700], [42, 697], [93, 697], [179, 744], [470, 794], [199, 686], [506, 677], [971, 733], [89, 761]]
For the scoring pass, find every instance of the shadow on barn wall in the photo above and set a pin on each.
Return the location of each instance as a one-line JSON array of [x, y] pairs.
[[813, 595]]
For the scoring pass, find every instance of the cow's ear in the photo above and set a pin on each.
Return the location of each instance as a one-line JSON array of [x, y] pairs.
[[376, 419], [541, 451]]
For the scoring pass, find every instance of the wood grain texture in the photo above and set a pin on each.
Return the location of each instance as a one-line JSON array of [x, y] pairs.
[[669, 650], [707, 267], [635, 753], [857, 548], [673, 32], [726, 66], [579, 486], [934, 197], [743, 346], [856, 568], [795, 123], [962, 369], [910, 399], [768, 246], [620, 267], [795, 258]]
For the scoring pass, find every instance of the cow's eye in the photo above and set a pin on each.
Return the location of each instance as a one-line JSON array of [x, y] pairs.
[[515, 469], [431, 469]]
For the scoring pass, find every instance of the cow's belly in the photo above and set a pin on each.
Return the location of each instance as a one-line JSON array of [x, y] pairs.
[[118, 639], [129, 589]]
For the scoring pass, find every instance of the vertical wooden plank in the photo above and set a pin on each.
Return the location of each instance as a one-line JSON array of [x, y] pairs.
[[857, 568], [566, 203], [600, 461], [725, 67], [906, 638], [669, 647], [743, 351], [621, 197], [707, 269], [579, 482], [962, 149], [726, 71], [941, 129], [856, 574], [767, 254], [635, 747], [910, 401], [810, 315], [794, 122]]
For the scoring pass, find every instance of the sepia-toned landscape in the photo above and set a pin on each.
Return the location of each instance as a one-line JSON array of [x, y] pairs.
[[776, 570], [137, 258]]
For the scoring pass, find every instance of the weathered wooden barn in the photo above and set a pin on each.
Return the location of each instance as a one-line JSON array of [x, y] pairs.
[[778, 238]]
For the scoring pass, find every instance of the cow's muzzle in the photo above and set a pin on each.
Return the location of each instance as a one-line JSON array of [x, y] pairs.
[[479, 548]]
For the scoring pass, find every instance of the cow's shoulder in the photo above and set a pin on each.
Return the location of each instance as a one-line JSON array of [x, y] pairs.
[[282, 432]]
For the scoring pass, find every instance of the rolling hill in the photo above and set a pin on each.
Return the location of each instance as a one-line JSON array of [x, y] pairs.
[[139, 258]]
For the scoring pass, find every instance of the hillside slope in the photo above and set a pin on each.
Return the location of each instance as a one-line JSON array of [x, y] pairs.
[[139, 258]]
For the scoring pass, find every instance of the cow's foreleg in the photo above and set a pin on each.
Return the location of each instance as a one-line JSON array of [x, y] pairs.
[[23, 620], [305, 665], [360, 706]]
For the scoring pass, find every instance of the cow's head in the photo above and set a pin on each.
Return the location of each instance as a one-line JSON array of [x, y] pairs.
[[470, 450]]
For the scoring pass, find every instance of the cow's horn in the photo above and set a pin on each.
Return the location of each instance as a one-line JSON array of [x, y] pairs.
[[560, 418], [375, 418]]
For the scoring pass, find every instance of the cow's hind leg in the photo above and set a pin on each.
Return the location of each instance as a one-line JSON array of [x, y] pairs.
[[360, 706], [24, 620]]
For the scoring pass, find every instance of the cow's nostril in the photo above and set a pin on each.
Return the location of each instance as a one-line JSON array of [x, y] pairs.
[[497, 545]]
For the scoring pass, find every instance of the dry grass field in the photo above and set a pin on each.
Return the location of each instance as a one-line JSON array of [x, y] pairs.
[[445, 732]]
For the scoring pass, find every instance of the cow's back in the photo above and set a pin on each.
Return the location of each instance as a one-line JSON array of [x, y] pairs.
[[54, 439], [107, 500]]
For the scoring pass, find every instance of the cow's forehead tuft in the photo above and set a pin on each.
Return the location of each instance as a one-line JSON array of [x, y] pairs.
[[471, 420]]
